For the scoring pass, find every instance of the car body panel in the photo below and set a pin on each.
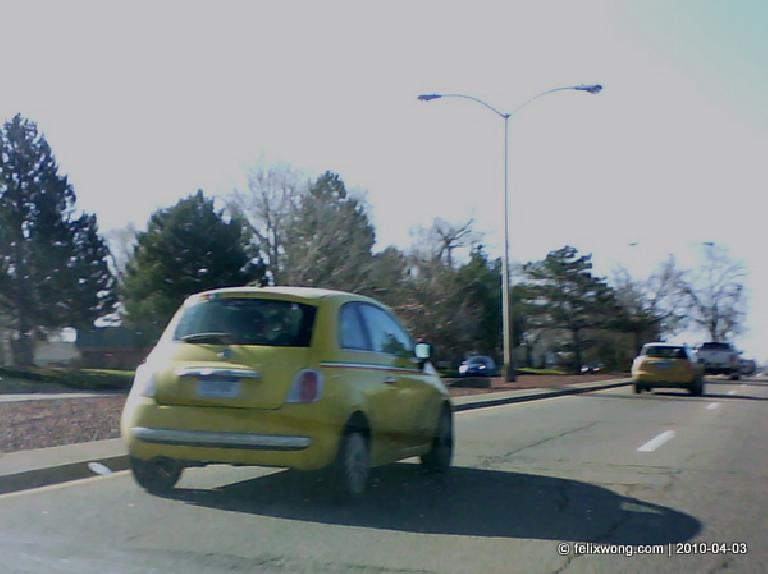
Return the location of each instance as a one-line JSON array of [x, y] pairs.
[[400, 401], [748, 366], [718, 358], [668, 370], [478, 366]]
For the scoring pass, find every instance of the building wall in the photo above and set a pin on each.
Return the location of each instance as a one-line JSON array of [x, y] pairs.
[[48, 353]]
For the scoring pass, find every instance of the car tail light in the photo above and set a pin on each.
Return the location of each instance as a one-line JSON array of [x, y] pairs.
[[307, 387]]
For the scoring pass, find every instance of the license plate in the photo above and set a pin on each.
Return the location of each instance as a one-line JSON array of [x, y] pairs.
[[218, 388]]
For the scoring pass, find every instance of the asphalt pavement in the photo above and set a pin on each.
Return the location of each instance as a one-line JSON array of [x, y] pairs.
[[534, 483]]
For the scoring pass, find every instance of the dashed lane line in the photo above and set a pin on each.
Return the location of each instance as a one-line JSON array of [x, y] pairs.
[[657, 441]]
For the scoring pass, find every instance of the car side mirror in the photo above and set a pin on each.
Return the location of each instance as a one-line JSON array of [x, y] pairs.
[[423, 352]]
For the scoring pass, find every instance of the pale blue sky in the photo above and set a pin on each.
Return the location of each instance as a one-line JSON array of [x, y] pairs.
[[144, 102]]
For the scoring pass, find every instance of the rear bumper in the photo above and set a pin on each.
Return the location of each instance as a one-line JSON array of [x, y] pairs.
[[720, 370], [657, 381], [289, 437], [221, 439], [662, 384]]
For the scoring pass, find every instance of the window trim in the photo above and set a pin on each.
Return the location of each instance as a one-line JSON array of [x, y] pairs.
[[355, 306], [394, 319], [308, 324]]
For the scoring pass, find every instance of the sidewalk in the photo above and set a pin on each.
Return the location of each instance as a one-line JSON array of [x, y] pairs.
[[22, 470], [17, 398], [13, 389]]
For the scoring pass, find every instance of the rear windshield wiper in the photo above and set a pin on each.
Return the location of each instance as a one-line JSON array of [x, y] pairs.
[[213, 337]]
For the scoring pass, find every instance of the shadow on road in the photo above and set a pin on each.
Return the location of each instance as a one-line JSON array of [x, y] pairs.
[[466, 501]]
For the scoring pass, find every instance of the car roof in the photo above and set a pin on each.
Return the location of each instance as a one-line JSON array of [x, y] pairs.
[[307, 293]]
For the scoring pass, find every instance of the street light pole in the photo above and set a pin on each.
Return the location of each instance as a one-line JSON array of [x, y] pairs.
[[509, 367], [510, 373]]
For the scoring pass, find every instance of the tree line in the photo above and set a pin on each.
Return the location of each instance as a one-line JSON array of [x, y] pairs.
[[56, 269]]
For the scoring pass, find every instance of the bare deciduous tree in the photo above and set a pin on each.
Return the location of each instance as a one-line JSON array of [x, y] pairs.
[[272, 195], [443, 238], [650, 307], [716, 294]]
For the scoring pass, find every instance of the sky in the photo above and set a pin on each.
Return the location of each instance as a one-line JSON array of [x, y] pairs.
[[145, 102]]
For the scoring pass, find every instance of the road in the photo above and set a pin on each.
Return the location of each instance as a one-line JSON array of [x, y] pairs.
[[607, 467]]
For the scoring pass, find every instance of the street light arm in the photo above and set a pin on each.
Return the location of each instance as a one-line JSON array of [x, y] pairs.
[[592, 89], [474, 99]]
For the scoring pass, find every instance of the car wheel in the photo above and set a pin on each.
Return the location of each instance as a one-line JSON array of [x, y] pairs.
[[440, 454], [637, 388], [735, 376], [156, 476], [697, 388], [352, 466]]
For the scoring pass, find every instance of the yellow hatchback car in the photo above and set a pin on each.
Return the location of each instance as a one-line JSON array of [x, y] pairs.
[[667, 366], [290, 377]]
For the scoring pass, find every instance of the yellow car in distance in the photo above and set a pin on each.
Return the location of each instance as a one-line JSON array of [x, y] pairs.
[[662, 365], [292, 377]]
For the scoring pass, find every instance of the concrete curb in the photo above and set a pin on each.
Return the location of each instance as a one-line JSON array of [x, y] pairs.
[[479, 404], [47, 476]]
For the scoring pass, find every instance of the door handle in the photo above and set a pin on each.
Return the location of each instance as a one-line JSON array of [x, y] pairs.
[[390, 380]]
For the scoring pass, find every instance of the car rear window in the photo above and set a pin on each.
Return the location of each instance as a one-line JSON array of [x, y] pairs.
[[666, 352], [249, 321], [715, 347]]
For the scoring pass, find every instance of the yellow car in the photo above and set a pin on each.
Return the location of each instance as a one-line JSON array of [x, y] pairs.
[[290, 377], [664, 365]]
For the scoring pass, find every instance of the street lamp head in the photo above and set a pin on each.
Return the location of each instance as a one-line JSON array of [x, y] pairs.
[[591, 88], [427, 97]]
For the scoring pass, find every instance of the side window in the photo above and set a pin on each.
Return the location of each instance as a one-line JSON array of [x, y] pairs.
[[352, 334], [386, 335]]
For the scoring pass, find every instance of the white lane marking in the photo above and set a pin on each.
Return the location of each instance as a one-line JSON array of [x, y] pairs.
[[657, 441], [743, 385], [712, 406], [98, 468], [61, 485], [731, 392]]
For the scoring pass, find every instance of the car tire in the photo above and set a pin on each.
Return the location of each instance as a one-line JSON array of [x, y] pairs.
[[440, 455], [697, 388], [735, 376], [352, 467], [637, 388], [156, 476]]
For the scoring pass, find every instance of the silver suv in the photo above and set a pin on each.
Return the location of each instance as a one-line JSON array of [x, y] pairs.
[[719, 359]]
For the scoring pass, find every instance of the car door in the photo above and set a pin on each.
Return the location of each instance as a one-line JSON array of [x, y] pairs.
[[415, 394], [373, 375]]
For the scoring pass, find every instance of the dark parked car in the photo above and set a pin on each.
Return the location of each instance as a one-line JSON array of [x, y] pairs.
[[591, 368], [478, 366]]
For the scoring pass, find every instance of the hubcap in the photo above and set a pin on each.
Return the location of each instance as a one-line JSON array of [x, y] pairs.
[[356, 463], [166, 471]]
